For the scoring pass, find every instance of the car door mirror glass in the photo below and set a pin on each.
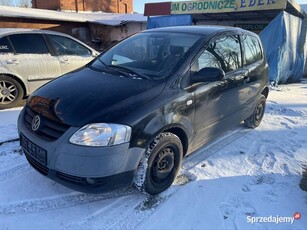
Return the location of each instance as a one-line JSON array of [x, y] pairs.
[[208, 74]]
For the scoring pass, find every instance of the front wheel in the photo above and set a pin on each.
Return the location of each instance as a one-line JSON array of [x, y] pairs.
[[160, 165], [11, 92], [255, 119]]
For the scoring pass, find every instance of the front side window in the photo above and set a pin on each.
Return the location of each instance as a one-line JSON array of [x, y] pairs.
[[5, 46], [67, 46], [151, 55], [29, 43], [224, 53], [252, 49]]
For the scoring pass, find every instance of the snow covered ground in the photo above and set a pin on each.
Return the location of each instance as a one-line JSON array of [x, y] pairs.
[[243, 180]]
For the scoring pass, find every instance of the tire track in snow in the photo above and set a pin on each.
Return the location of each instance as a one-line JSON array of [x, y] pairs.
[[210, 149], [125, 212], [9, 141], [59, 202], [14, 172], [119, 211]]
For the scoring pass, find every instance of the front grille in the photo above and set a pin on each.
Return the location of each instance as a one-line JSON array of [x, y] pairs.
[[83, 181], [35, 155], [72, 179], [50, 131], [39, 167]]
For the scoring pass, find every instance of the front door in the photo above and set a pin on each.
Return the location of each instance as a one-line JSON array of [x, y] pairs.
[[32, 60], [71, 54], [218, 104]]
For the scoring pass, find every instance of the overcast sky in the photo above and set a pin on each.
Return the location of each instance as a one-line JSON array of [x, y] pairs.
[[139, 4]]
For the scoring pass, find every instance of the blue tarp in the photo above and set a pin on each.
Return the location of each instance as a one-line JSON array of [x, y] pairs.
[[281, 41], [173, 20]]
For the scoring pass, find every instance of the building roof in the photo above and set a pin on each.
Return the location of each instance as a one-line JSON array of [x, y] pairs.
[[110, 19]]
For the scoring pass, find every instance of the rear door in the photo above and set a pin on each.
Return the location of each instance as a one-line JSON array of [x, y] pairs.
[[256, 66], [218, 104], [32, 60], [71, 54]]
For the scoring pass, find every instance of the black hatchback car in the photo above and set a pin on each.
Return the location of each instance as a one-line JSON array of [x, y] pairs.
[[135, 111]]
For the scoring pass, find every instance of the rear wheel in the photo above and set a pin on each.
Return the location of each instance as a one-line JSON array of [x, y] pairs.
[[255, 119], [11, 92], [160, 165]]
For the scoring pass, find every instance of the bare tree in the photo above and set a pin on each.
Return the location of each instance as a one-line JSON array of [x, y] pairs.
[[25, 3], [5, 2]]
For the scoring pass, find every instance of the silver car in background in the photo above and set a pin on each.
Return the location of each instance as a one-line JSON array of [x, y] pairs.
[[31, 58]]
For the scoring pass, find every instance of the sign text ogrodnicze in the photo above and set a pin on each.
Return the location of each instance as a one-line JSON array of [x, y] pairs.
[[218, 6]]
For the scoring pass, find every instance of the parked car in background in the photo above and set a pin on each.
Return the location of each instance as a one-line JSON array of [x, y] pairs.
[[133, 113], [31, 58]]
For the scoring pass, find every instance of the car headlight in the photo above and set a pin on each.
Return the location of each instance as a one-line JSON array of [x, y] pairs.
[[101, 134]]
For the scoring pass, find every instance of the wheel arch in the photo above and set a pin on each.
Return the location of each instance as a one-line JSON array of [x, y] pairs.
[[265, 92], [179, 132]]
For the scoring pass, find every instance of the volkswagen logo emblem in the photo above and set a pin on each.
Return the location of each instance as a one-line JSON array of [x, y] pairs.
[[36, 122]]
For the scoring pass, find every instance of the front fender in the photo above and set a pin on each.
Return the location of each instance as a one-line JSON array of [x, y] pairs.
[[157, 123]]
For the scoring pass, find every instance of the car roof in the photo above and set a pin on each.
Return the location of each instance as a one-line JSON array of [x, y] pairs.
[[7, 31], [202, 30]]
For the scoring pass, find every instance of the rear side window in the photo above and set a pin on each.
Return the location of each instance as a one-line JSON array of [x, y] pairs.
[[67, 46], [252, 49], [224, 53], [29, 43], [5, 46]]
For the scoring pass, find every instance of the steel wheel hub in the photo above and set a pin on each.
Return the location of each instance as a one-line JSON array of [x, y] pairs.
[[164, 164], [259, 111]]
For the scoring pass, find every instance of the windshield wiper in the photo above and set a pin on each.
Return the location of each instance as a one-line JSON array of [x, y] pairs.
[[113, 70], [130, 72], [104, 64]]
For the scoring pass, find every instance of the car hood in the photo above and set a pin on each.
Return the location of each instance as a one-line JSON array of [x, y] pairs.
[[88, 96]]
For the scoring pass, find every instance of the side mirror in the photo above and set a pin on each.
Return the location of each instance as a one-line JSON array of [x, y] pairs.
[[95, 54], [208, 74]]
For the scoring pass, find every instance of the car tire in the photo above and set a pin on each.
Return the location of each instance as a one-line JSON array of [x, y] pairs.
[[255, 119], [160, 165], [11, 92]]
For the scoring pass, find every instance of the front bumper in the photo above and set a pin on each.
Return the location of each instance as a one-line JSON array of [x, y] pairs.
[[83, 168]]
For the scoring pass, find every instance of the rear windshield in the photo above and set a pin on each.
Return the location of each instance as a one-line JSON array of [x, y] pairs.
[[151, 55]]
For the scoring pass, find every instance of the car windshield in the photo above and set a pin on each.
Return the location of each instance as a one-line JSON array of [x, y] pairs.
[[147, 55]]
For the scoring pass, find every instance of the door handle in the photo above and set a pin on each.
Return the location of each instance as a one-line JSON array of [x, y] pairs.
[[12, 61], [64, 61]]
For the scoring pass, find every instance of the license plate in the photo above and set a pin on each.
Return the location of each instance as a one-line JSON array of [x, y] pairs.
[[34, 151]]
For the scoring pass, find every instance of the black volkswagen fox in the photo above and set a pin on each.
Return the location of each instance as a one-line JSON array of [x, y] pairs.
[[133, 113]]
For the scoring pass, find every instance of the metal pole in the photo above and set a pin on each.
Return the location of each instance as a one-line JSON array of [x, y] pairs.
[[76, 4]]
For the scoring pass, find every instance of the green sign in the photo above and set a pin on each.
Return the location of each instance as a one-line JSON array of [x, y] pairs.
[[220, 6]]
